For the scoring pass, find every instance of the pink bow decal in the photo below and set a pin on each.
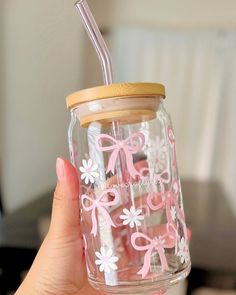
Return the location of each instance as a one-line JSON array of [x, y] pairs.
[[171, 138], [100, 205], [158, 243], [129, 146], [173, 200], [168, 198], [162, 178]]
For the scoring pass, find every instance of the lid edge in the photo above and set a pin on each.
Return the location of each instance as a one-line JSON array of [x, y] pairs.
[[114, 90]]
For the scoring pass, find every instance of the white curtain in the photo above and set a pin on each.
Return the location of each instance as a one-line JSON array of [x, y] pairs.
[[198, 69]]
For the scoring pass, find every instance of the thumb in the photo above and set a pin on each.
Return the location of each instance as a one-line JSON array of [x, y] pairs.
[[65, 220], [54, 269]]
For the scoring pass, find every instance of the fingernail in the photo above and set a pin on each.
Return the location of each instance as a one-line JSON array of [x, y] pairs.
[[60, 169]]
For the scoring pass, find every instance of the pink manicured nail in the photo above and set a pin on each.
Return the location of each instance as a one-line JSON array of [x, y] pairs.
[[60, 168]]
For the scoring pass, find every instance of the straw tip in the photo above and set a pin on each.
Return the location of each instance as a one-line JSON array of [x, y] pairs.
[[78, 2]]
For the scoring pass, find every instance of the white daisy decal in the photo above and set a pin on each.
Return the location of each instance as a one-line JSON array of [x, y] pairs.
[[173, 213], [149, 146], [161, 116], [183, 252], [88, 171], [160, 163], [156, 150], [106, 260], [160, 146], [132, 217]]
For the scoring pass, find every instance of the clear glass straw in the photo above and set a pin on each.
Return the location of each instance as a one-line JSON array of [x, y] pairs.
[[105, 59], [104, 56], [97, 40]]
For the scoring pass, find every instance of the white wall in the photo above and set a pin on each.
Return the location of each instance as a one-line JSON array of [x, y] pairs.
[[42, 64]]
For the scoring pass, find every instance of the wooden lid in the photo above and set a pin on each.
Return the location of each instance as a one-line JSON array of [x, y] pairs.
[[115, 90]]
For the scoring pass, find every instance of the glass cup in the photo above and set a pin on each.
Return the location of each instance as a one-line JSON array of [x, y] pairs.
[[132, 217]]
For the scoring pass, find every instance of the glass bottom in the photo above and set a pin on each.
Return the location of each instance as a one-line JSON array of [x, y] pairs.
[[143, 287]]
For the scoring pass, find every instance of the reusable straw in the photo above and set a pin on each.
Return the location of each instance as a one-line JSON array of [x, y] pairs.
[[97, 40], [105, 59]]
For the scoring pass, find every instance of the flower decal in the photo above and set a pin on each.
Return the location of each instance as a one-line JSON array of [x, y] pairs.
[[106, 261], [132, 217], [160, 146], [183, 252], [173, 213], [88, 170], [156, 150], [160, 163]]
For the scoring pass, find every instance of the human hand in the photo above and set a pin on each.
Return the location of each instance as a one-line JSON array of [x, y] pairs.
[[59, 267]]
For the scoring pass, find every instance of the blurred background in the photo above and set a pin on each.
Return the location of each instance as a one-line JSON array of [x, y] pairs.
[[189, 46]]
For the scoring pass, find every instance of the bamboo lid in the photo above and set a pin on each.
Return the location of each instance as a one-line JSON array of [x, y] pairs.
[[115, 90]]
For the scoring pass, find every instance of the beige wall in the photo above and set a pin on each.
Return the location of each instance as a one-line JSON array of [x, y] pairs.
[[2, 84], [189, 14], [167, 13], [42, 64]]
